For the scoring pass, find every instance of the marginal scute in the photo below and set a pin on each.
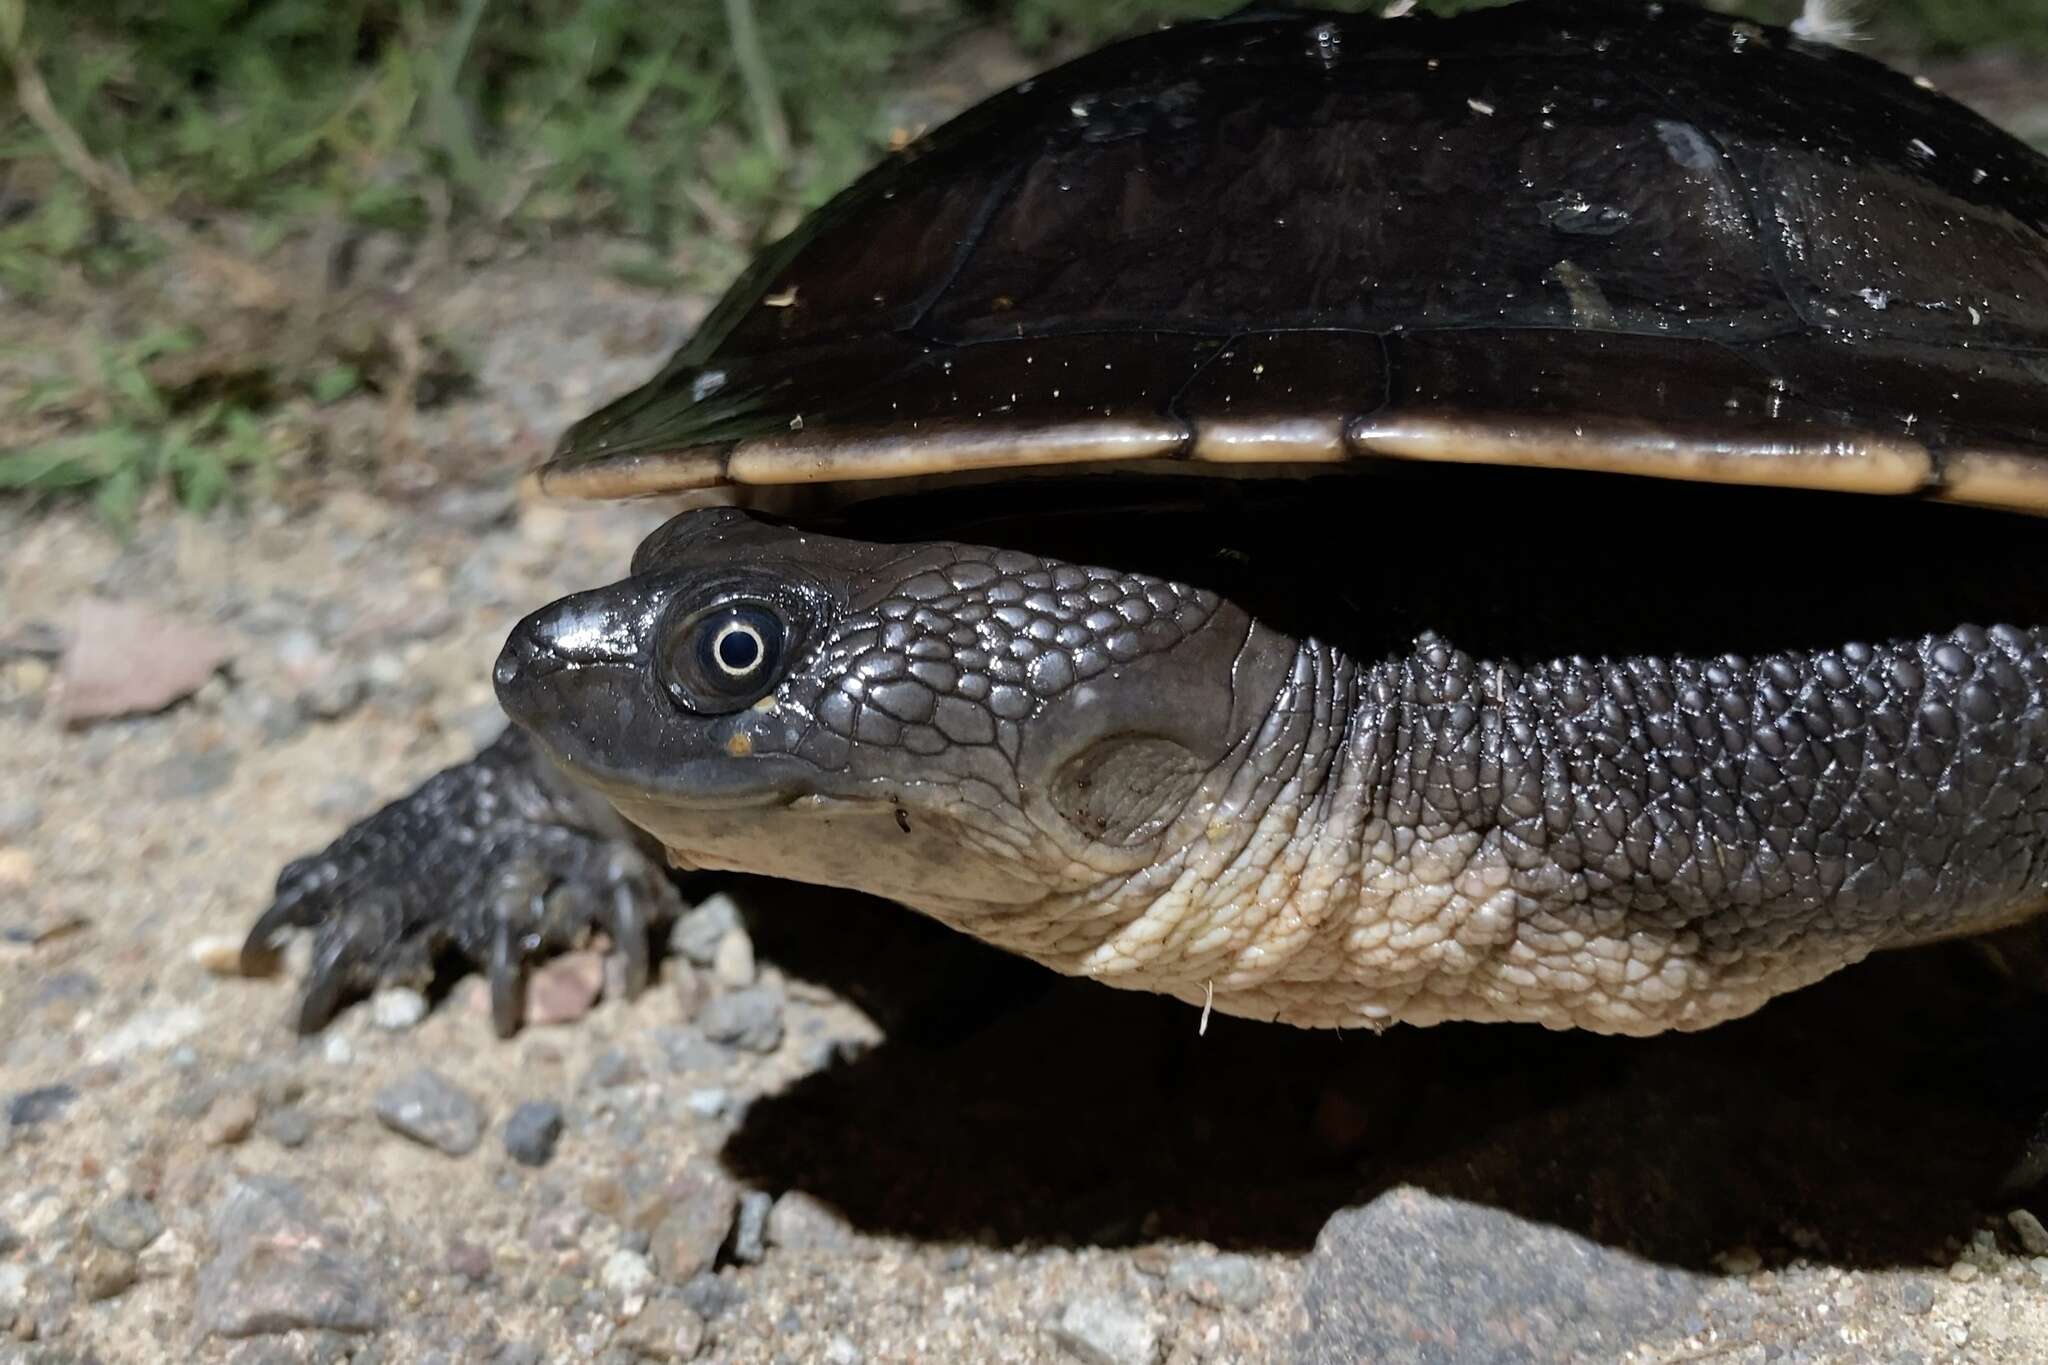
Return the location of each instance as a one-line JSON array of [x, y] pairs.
[[1848, 462], [1987, 478]]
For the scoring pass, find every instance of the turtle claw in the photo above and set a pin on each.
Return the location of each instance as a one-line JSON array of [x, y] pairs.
[[494, 864], [506, 971]]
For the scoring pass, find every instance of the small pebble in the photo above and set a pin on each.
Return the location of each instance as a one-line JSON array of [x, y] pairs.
[[750, 1228], [278, 1268], [687, 1050], [334, 695], [691, 986], [105, 1272], [13, 1291], [841, 1351], [710, 1295], [708, 1103], [277, 719], [188, 776], [126, 1224], [532, 1131], [429, 1108], [699, 930], [1964, 1271], [397, 1008], [1219, 1281], [228, 1120], [337, 1050], [626, 1275], [666, 1329], [749, 1019], [733, 960], [803, 1222], [469, 1260], [562, 991], [612, 1067], [1916, 1297], [45, 1102], [287, 1127], [2033, 1237], [698, 1219], [1106, 1331]]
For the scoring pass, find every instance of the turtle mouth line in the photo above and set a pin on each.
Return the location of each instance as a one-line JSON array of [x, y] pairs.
[[709, 785]]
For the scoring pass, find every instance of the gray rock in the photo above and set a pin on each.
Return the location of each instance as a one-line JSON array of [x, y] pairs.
[[66, 986], [277, 1268], [10, 1240], [750, 1229], [625, 1274], [697, 933], [40, 1105], [709, 1295], [277, 719], [397, 1008], [2033, 1238], [1414, 1279], [334, 695], [1224, 1281], [126, 1224], [700, 1212], [1106, 1331], [750, 1019], [19, 817], [1916, 1297], [532, 1131], [611, 1068], [732, 962], [708, 1103], [13, 1291], [802, 1222], [666, 1329], [428, 1107], [105, 1273], [287, 1127], [687, 1050], [187, 776]]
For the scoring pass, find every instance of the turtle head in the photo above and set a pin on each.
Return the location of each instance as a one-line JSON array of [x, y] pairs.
[[950, 725]]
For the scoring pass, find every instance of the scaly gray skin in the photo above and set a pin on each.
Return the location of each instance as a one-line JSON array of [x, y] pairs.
[[1134, 780]]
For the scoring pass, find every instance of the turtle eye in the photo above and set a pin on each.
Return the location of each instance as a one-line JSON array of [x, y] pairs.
[[725, 658]]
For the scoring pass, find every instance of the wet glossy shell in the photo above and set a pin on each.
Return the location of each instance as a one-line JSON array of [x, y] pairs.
[[1570, 234]]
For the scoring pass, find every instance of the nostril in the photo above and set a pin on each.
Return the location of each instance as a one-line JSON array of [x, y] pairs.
[[522, 660]]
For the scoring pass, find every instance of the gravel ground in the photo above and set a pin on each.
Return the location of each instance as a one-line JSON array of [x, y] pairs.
[[833, 1132]]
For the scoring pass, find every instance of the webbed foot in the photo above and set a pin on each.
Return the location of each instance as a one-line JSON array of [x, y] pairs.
[[497, 863]]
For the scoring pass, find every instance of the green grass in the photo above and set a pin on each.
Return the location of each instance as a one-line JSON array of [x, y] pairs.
[[523, 117]]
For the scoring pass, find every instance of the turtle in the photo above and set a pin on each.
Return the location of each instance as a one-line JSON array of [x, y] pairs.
[[1530, 516]]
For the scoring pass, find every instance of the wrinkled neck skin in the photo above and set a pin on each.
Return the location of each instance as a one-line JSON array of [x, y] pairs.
[[1175, 797]]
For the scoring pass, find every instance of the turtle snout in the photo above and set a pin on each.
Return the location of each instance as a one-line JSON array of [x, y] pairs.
[[591, 632]]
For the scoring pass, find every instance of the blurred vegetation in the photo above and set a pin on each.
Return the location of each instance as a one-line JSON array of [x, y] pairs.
[[682, 123]]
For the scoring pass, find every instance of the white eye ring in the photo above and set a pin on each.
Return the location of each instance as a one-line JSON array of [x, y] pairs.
[[726, 632]]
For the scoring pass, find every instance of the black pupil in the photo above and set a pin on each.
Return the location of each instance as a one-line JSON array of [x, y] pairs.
[[738, 649]]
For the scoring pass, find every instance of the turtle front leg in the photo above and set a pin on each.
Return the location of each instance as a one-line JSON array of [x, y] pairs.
[[497, 863]]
